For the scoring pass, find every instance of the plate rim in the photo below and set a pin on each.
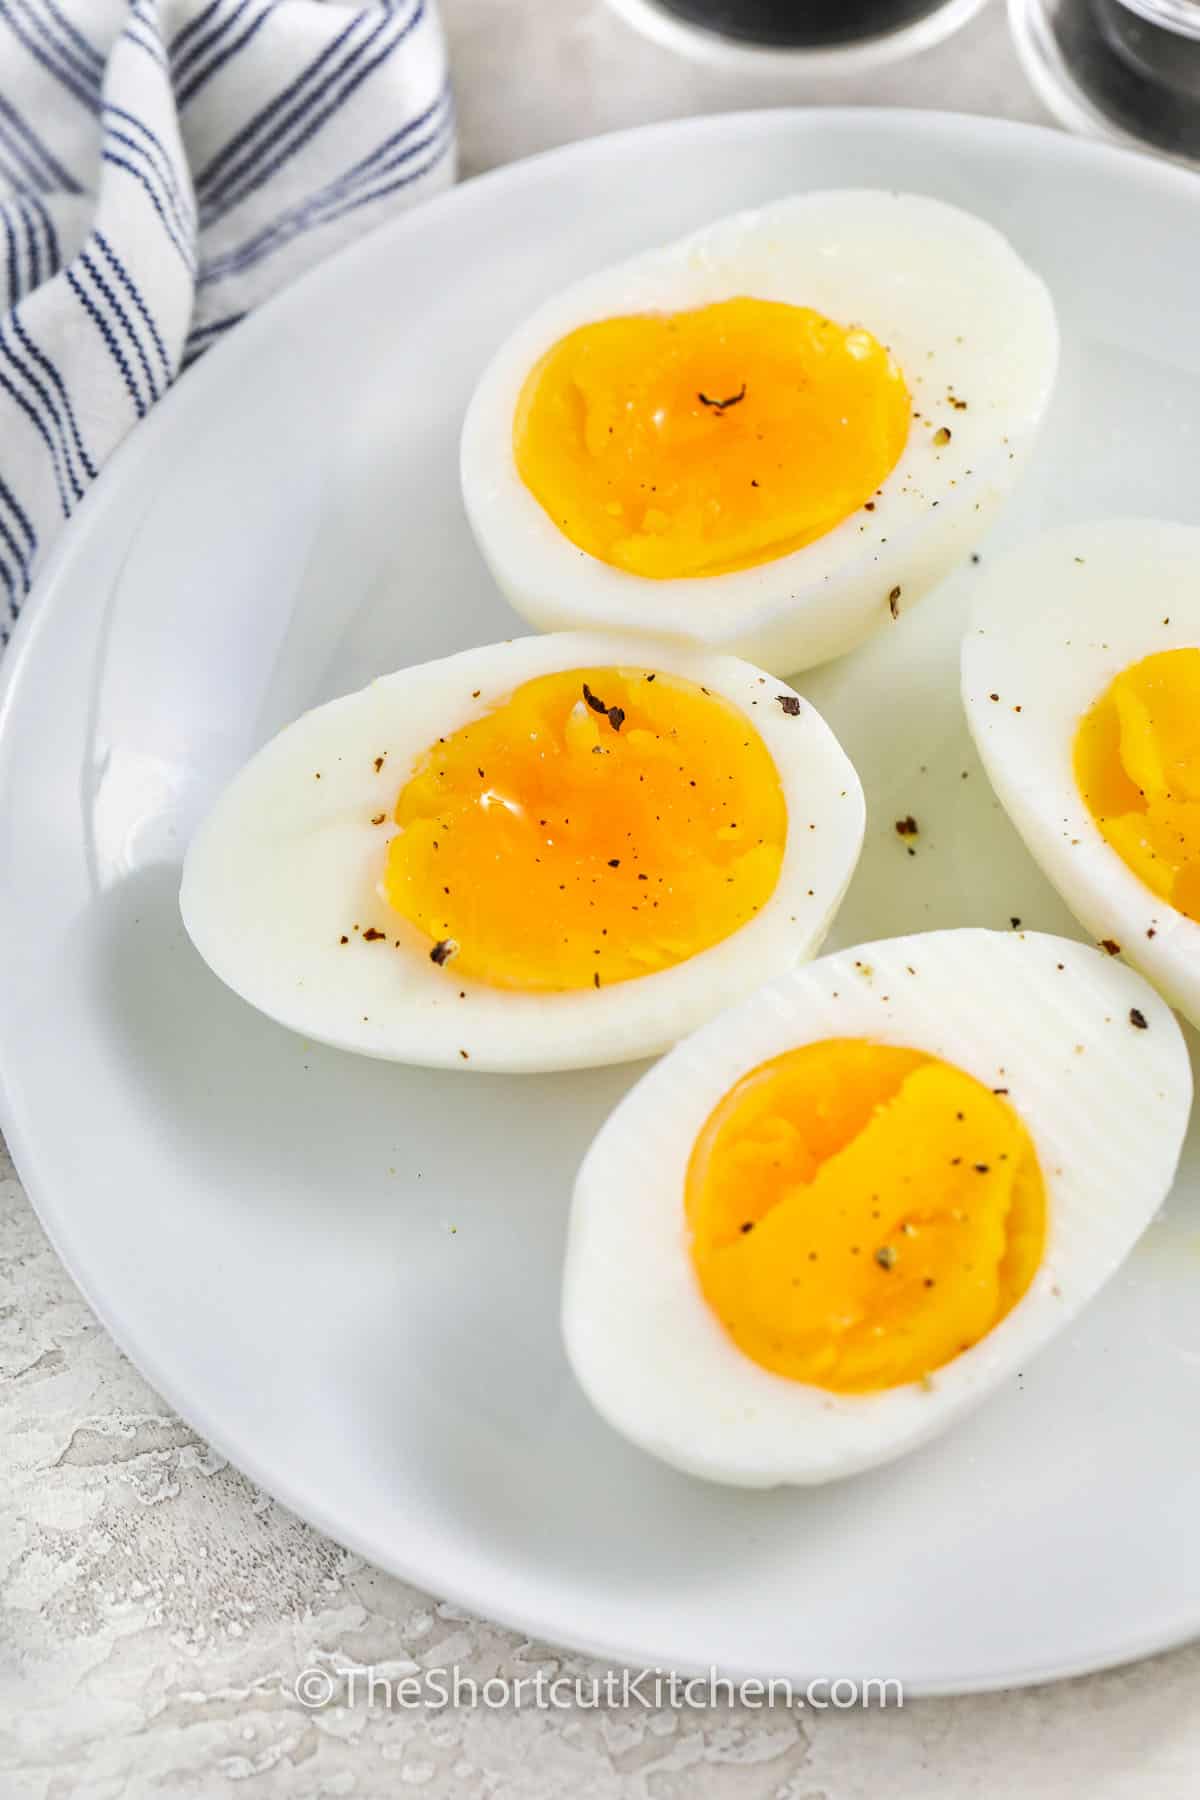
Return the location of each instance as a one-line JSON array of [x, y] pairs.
[[72, 542]]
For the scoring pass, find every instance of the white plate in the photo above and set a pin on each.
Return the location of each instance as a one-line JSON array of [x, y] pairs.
[[345, 1274]]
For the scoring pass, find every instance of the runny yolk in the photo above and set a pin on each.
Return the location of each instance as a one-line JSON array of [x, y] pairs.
[[695, 443], [860, 1214], [1137, 764], [598, 825]]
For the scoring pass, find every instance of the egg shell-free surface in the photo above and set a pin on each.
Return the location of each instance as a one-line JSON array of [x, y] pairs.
[[1105, 1101], [961, 313], [1053, 622], [288, 862]]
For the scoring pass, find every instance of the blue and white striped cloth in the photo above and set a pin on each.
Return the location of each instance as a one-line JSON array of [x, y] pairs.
[[164, 166]]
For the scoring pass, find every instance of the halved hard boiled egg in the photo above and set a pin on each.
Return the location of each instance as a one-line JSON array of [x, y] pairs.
[[768, 438], [551, 853], [1081, 680], [841, 1214]]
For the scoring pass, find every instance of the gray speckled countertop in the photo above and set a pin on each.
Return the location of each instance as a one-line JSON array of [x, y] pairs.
[[157, 1608]]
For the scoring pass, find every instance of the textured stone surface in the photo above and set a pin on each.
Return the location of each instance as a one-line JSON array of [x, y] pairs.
[[158, 1609]]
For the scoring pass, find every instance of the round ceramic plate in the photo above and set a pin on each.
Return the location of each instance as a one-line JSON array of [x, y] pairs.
[[345, 1274]]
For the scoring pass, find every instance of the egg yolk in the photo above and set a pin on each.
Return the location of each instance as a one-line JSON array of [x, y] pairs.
[[695, 443], [598, 825], [1137, 764], [860, 1214]]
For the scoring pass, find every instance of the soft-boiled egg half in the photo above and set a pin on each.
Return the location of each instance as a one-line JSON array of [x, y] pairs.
[[768, 438], [550, 853], [838, 1216], [1081, 679]]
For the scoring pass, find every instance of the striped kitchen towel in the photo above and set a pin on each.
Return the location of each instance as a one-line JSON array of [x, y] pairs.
[[164, 166]]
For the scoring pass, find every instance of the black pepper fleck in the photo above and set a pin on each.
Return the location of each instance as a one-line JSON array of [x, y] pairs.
[[720, 406]]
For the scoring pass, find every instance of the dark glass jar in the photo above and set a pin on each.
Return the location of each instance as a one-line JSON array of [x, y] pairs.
[[802, 24], [1121, 68]]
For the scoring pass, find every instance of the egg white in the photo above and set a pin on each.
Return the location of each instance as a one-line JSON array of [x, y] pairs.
[[958, 309], [286, 864], [1105, 1103], [1052, 624]]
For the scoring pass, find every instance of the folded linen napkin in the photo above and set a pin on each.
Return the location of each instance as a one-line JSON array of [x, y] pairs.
[[165, 165]]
